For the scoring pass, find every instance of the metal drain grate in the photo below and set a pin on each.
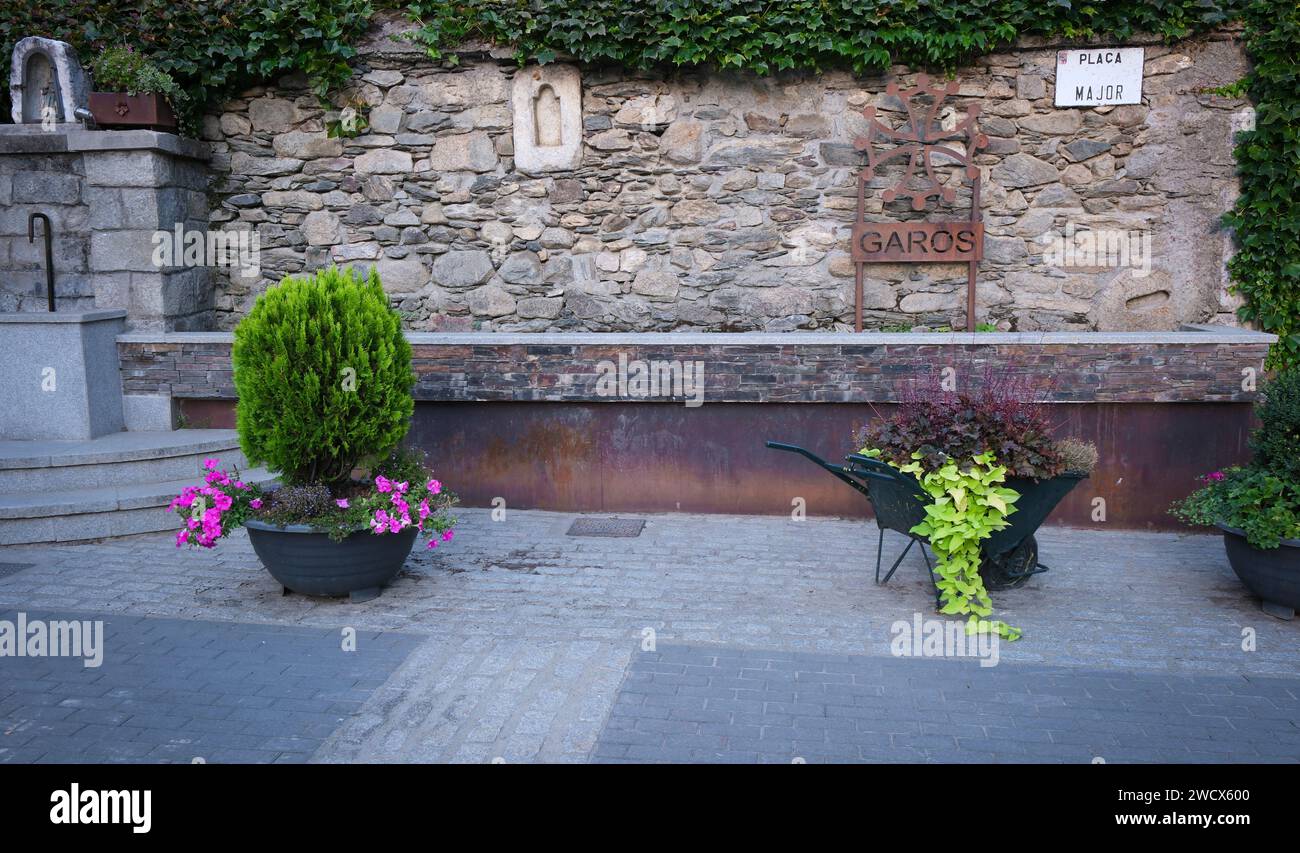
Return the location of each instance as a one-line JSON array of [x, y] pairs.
[[607, 527], [7, 569]]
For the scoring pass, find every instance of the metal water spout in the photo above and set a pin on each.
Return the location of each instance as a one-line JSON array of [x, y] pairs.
[[49, 253]]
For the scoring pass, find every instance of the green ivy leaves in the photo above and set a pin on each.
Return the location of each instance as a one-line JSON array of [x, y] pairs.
[[1266, 217], [968, 504]]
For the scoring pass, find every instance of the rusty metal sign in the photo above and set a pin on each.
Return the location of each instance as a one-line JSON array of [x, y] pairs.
[[914, 242], [923, 138]]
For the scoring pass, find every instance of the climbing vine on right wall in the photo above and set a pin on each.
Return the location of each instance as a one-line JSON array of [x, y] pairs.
[[1266, 218]]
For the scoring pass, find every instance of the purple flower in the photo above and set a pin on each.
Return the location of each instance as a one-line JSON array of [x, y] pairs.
[[342, 503], [383, 484], [433, 486], [255, 503]]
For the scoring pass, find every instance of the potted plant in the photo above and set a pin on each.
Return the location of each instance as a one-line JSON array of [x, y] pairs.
[[1257, 506], [989, 473], [323, 375], [131, 91]]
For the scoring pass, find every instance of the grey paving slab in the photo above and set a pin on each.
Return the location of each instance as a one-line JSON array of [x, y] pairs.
[[693, 703], [177, 690], [530, 632]]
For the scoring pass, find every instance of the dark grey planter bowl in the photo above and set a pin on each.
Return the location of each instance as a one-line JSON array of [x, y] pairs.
[[1273, 574], [306, 561]]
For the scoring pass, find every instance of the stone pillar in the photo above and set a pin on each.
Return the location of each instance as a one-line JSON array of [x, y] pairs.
[[59, 375], [107, 193]]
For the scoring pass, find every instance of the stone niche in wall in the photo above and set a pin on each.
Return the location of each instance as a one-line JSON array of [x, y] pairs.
[[46, 82], [547, 105]]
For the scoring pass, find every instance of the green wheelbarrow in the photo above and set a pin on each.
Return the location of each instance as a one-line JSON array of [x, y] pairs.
[[1009, 556]]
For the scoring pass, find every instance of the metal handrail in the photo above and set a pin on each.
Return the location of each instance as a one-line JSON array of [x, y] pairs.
[[49, 253]]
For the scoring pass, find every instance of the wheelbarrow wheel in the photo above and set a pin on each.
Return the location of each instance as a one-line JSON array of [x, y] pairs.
[[1011, 569]]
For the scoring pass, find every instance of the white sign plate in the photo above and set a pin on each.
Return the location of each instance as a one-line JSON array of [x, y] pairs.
[[1097, 76]]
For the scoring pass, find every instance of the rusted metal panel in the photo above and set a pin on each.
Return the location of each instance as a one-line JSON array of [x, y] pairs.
[[207, 414], [644, 457], [664, 457]]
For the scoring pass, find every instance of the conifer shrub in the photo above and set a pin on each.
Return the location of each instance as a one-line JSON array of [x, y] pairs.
[[323, 374], [1277, 441]]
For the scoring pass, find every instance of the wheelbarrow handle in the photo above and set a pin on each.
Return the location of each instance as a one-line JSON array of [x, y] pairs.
[[837, 470], [808, 454]]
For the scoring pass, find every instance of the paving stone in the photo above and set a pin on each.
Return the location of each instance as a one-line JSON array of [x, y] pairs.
[[97, 722], [523, 638], [960, 732]]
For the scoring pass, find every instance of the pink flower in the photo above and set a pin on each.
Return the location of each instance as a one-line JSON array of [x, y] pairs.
[[182, 536], [211, 464], [255, 503], [383, 484], [1214, 476], [433, 543], [424, 510], [402, 487], [380, 521], [446, 536], [394, 524], [221, 501], [342, 503], [433, 486]]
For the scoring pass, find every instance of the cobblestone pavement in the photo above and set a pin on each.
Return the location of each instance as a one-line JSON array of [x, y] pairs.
[[525, 635], [180, 690], [703, 703]]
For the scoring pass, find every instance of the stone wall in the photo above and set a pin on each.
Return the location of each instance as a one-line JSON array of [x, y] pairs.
[[106, 193], [705, 201], [1208, 365]]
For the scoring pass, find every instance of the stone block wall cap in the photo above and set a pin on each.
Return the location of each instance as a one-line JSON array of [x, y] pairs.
[[1197, 335], [96, 316], [72, 138], [1234, 336]]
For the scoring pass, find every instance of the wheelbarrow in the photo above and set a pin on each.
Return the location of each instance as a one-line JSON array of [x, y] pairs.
[[1009, 556]]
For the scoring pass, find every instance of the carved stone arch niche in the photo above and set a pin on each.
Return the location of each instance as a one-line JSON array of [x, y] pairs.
[[547, 104]]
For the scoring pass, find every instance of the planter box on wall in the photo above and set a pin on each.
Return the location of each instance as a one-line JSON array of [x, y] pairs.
[[117, 109]]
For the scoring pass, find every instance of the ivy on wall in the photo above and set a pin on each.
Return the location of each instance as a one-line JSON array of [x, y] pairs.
[[1266, 268], [216, 47], [211, 47], [774, 35]]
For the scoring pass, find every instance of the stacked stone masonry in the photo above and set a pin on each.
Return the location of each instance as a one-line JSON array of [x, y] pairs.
[[705, 201], [801, 371], [106, 195]]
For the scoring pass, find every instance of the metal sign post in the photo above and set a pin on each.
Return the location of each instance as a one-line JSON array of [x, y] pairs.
[[919, 141]]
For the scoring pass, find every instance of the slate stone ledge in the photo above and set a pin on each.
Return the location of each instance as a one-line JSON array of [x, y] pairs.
[[1210, 365], [62, 316], [31, 139], [1192, 335]]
